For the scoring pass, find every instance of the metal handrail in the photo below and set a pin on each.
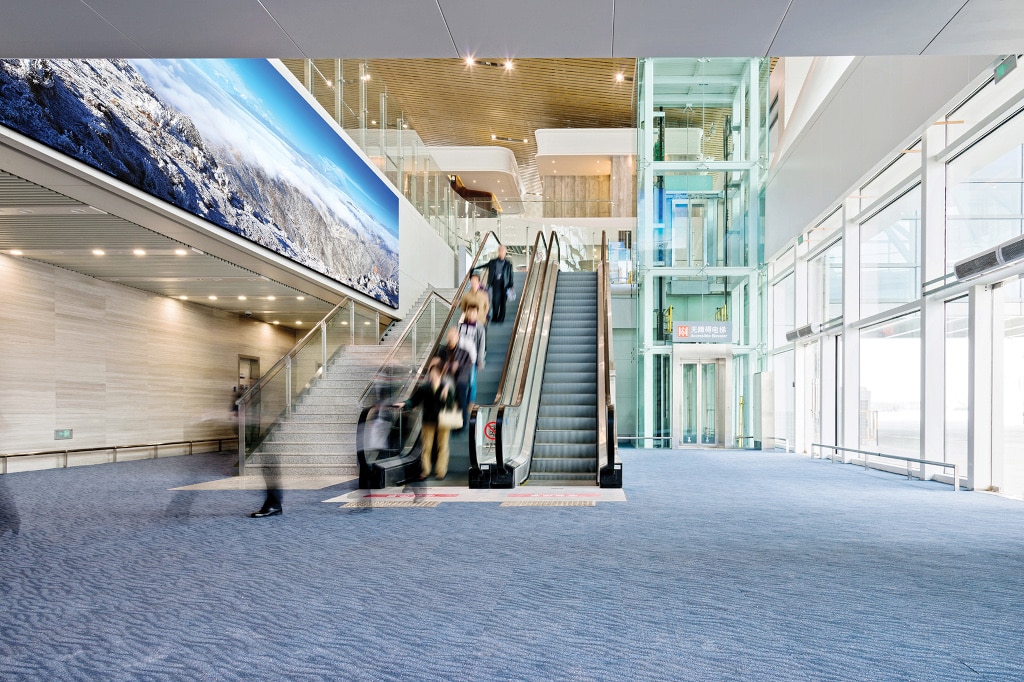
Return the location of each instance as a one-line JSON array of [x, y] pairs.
[[410, 328], [554, 257], [114, 448], [280, 364], [908, 460], [608, 472], [525, 322]]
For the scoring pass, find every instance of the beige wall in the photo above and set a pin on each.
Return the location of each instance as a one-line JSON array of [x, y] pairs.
[[117, 365]]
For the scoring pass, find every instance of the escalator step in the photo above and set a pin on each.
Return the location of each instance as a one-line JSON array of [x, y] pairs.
[[568, 465], [564, 450], [569, 411], [567, 399], [553, 423], [563, 435]]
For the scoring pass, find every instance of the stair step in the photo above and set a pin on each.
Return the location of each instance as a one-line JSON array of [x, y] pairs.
[[563, 465], [574, 450], [568, 423]]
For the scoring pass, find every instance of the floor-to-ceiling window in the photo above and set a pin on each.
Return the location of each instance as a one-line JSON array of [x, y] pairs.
[[890, 386], [956, 382]]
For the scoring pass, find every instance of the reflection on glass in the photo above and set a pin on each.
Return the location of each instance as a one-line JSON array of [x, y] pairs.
[[785, 395], [890, 386], [690, 403], [984, 197], [1012, 369], [890, 252], [708, 397]]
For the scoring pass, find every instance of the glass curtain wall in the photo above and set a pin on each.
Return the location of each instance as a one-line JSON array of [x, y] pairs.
[[701, 155], [890, 255], [890, 386]]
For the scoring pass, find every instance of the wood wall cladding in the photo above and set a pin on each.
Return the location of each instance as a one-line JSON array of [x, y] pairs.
[[115, 364]]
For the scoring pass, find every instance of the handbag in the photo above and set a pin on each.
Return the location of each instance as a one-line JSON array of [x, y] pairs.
[[450, 418]]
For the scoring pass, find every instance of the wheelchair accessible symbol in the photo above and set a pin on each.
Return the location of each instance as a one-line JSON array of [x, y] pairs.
[[490, 431]]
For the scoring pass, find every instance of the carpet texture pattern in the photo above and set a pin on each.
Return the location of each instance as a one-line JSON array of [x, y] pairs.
[[724, 565]]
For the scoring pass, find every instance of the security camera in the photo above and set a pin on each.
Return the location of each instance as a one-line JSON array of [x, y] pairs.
[[248, 313]]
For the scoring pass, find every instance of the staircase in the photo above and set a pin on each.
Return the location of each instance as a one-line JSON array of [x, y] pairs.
[[565, 442], [319, 438]]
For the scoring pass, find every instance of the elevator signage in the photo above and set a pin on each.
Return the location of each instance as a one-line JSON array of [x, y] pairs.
[[702, 332]]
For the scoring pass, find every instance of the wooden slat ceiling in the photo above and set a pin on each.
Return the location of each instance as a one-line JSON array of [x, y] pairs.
[[448, 102]]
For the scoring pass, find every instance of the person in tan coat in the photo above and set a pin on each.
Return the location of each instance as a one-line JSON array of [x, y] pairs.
[[476, 296]]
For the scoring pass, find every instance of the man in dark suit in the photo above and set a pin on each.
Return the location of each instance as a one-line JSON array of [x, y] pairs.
[[499, 281]]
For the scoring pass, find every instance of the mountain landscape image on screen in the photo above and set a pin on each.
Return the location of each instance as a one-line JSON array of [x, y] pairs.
[[233, 158]]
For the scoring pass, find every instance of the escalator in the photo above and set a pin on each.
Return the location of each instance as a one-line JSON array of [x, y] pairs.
[[545, 412], [387, 437], [555, 424]]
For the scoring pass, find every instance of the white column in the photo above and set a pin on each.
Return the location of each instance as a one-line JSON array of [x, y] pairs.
[[979, 388], [800, 351], [933, 313], [645, 244], [851, 335]]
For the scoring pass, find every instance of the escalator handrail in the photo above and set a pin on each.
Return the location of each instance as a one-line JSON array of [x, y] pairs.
[[606, 438], [415, 377], [540, 245], [546, 295]]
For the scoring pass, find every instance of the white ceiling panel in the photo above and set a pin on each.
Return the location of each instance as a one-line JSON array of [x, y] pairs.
[[865, 27], [198, 28], [983, 27], [530, 28], [395, 28], [66, 28], [670, 28]]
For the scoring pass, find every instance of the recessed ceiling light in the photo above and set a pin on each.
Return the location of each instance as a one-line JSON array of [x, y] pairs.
[[139, 252], [15, 252], [373, 123], [241, 298], [276, 322], [298, 321], [180, 252], [98, 252], [213, 298], [344, 323], [300, 298], [367, 322], [184, 298], [619, 77], [271, 298], [509, 65], [470, 61]]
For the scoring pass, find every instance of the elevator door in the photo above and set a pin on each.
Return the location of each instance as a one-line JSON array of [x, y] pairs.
[[699, 403]]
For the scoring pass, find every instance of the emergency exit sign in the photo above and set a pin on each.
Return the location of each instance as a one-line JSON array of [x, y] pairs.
[[1004, 67], [62, 434]]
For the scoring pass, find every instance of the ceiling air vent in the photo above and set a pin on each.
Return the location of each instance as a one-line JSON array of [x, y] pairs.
[[1012, 250], [977, 264]]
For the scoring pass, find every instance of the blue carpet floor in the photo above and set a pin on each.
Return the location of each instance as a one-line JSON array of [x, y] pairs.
[[721, 566]]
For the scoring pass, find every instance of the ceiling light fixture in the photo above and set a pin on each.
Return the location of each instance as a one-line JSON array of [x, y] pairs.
[[271, 298], [139, 252], [298, 321], [619, 77], [241, 298], [213, 298], [184, 298], [98, 252], [300, 298], [276, 322], [180, 252], [15, 252], [508, 139]]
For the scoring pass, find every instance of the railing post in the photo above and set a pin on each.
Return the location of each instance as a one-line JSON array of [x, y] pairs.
[[241, 440], [323, 348], [956, 478], [352, 323], [115, 455], [288, 384]]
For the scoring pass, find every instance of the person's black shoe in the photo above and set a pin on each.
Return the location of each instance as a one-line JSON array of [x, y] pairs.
[[272, 511]]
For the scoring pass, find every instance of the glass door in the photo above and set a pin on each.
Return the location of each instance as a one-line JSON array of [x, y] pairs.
[[699, 403]]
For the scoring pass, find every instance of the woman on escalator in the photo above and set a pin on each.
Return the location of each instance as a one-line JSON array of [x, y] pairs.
[[434, 395]]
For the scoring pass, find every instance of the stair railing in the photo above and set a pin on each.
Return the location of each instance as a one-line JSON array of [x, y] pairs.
[[271, 398], [609, 470]]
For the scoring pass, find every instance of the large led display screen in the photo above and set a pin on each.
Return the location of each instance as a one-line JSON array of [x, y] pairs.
[[231, 141]]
